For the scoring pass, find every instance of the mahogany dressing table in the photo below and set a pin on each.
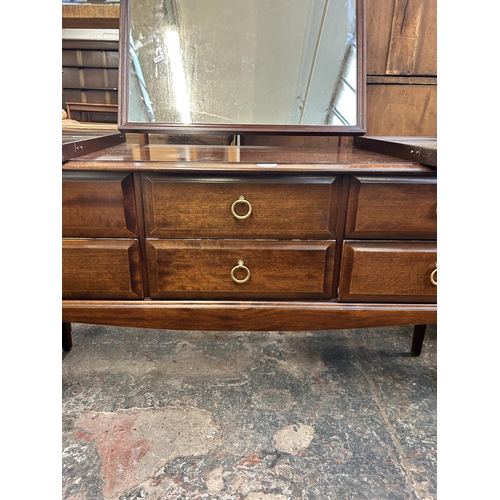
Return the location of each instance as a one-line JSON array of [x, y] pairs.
[[246, 238]]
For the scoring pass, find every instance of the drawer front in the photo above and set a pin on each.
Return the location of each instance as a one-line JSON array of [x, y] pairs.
[[395, 207], [383, 271], [98, 205], [263, 269], [100, 269], [281, 208]]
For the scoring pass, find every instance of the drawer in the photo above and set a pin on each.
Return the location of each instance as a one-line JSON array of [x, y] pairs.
[[388, 271], [261, 269], [98, 204], [394, 207], [281, 208], [101, 269]]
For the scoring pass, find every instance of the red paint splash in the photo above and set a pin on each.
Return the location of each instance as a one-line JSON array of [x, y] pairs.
[[250, 459], [119, 447]]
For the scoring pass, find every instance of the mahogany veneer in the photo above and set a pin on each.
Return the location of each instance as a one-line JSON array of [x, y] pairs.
[[248, 238]]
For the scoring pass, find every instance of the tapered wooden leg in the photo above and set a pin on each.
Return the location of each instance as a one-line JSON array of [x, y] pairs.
[[418, 339], [67, 342]]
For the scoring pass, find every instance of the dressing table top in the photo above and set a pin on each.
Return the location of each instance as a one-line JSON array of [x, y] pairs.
[[241, 159]]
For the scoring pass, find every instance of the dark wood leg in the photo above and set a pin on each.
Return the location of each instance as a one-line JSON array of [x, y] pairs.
[[67, 342], [143, 139], [418, 339]]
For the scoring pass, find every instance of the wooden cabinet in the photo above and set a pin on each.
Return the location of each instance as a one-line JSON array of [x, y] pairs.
[[401, 67], [278, 239], [90, 76], [401, 37]]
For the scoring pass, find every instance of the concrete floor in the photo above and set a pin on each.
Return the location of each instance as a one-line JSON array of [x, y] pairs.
[[167, 415]]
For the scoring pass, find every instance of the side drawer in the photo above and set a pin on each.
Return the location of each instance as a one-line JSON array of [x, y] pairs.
[[392, 207], [98, 205], [281, 208], [275, 269], [100, 269], [388, 271]]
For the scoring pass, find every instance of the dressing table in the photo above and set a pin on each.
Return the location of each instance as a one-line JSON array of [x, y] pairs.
[[244, 238]]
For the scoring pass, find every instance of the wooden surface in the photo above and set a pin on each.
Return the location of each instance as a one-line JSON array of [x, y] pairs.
[[401, 67], [86, 109], [76, 128], [246, 315], [86, 197], [265, 161], [392, 207], [67, 341], [401, 37], [198, 140], [191, 269], [90, 77], [78, 141], [283, 207], [91, 16], [404, 110], [295, 141], [101, 268], [422, 149], [388, 271], [340, 228]]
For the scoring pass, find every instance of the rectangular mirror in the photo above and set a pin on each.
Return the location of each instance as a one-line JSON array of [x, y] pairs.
[[242, 66]]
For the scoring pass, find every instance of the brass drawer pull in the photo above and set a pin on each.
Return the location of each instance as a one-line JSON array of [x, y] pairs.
[[241, 199], [433, 275], [240, 266]]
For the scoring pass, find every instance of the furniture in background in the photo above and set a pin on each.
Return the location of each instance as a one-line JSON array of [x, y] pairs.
[[90, 80], [401, 67], [107, 112]]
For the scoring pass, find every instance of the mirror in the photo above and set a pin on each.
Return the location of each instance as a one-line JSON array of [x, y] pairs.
[[242, 66]]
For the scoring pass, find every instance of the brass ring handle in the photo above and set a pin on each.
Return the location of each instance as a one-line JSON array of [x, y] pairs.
[[241, 199], [433, 274], [240, 266]]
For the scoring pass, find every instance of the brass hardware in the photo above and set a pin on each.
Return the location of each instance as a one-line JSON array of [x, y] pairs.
[[433, 274], [240, 266], [241, 199]]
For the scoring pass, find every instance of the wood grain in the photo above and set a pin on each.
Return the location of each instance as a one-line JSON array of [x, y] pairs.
[[392, 207], [91, 16], [101, 268], [283, 207], [402, 37], [384, 271], [277, 269], [408, 110], [246, 316], [98, 205]]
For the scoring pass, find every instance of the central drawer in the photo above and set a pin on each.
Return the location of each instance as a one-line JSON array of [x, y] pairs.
[[240, 269], [241, 207]]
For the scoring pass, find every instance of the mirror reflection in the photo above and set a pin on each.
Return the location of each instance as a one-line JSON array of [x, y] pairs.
[[269, 62]]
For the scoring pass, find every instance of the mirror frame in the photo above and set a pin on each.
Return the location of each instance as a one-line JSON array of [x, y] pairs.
[[240, 129]]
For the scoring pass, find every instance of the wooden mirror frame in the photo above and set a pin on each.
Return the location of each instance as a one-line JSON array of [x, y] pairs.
[[236, 129]]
